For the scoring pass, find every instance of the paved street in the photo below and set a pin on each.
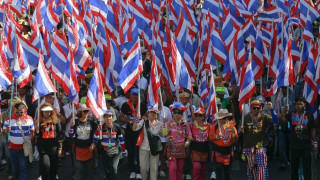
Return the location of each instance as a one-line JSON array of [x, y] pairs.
[[238, 172]]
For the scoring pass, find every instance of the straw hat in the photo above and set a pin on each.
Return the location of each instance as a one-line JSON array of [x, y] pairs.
[[82, 107], [222, 114], [46, 108], [218, 81]]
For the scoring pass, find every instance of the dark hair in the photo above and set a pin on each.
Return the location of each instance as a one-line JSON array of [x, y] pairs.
[[301, 98]]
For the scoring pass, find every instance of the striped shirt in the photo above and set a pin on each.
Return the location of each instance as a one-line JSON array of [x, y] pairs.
[[16, 139]]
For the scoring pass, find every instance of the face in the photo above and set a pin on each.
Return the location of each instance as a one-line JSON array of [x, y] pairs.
[[46, 114], [199, 117], [152, 115], [49, 99], [22, 91], [177, 114], [255, 109], [134, 98], [108, 119], [223, 120], [19, 112], [184, 100], [300, 105], [85, 113]]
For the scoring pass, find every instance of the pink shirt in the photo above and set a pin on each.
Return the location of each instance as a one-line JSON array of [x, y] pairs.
[[177, 131], [198, 135]]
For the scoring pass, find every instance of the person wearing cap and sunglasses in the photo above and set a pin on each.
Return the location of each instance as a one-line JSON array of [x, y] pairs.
[[223, 134], [129, 113], [303, 137], [147, 160], [112, 144], [175, 149], [198, 133], [20, 123], [254, 136], [49, 142], [82, 130]]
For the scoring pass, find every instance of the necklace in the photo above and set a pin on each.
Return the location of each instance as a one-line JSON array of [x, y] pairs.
[[109, 133], [82, 128]]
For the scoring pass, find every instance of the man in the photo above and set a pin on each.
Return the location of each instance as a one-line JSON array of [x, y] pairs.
[[20, 123], [254, 133], [129, 113], [26, 97], [303, 134]]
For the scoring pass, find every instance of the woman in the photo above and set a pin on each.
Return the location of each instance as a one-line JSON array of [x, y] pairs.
[[223, 134], [147, 160], [49, 141], [175, 148], [199, 146], [112, 143], [82, 131]]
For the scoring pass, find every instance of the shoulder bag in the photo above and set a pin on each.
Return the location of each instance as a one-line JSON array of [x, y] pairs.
[[27, 146], [154, 141]]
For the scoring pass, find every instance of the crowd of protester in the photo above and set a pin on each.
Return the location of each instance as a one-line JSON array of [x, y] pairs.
[[190, 144]]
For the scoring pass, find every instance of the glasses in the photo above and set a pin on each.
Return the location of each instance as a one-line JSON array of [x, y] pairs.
[[256, 108], [86, 111], [19, 112], [199, 115], [177, 112], [109, 101]]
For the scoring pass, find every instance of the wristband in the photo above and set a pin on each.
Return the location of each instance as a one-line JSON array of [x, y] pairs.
[[315, 144], [137, 120]]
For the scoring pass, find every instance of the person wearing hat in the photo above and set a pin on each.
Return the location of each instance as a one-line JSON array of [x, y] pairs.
[[254, 136], [198, 133], [27, 97], [19, 123], [221, 91], [129, 113], [26, 29], [303, 137], [52, 99], [49, 142], [147, 160], [82, 130], [109, 104], [175, 148], [112, 144], [223, 134]]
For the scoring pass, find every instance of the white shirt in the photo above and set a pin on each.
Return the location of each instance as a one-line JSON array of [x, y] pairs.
[[68, 111], [144, 83], [155, 130], [119, 101], [167, 112]]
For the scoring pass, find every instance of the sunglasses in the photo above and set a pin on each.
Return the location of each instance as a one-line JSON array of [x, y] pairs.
[[199, 115], [177, 112], [256, 108], [109, 101], [86, 111], [19, 112]]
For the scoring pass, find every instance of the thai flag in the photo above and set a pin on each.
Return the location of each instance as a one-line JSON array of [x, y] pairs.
[[95, 96], [270, 15], [307, 9], [310, 86], [305, 56], [249, 31], [257, 57], [211, 7], [229, 29], [251, 5], [58, 59], [132, 68], [295, 52], [100, 55], [21, 70], [219, 48], [112, 21], [177, 6], [98, 7], [285, 74], [212, 106], [154, 83], [43, 84], [31, 52], [70, 83], [247, 84], [203, 90], [114, 59], [50, 18], [182, 77], [266, 35], [283, 7], [239, 46], [16, 3], [5, 74], [308, 30], [274, 54]]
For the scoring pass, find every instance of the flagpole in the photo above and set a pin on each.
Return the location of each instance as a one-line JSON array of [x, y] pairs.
[[139, 84], [212, 80], [12, 83], [38, 114]]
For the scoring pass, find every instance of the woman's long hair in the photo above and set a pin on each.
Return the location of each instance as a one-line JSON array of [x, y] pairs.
[[53, 117]]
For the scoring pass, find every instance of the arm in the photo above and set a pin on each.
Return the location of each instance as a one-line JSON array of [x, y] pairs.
[[275, 118], [282, 115], [123, 118], [72, 130]]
